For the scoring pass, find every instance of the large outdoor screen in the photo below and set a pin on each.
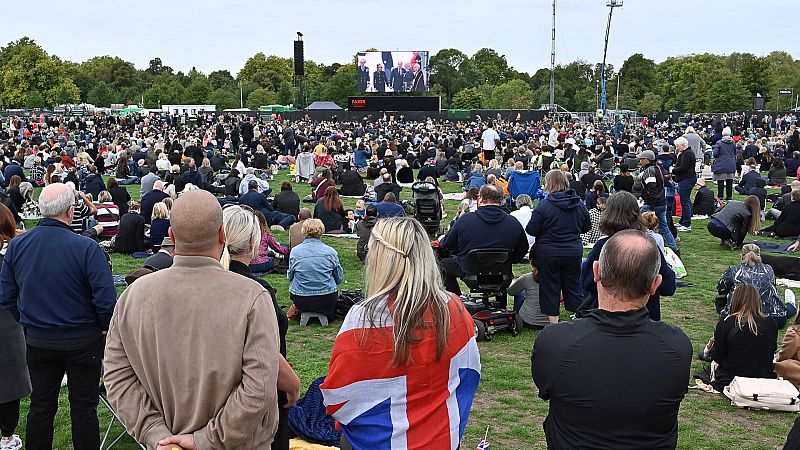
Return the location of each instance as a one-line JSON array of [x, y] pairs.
[[392, 71]]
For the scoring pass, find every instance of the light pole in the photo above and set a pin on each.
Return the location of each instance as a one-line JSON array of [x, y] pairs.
[[553, 64], [611, 5]]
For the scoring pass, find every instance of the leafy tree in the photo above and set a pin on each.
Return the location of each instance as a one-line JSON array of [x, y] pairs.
[[751, 70], [156, 68], [651, 103], [165, 90], [342, 85], [287, 94], [638, 77], [114, 71], [515, 94], [221, 79], [198, 91], [224, 98], [469, 98], [35, 99], [63, 92], [30, 68], [493, 67], [453, 71], [267, 71], [261, 97], [101, 95]]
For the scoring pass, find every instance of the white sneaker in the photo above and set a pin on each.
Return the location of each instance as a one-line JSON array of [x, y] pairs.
[[682, 228], [11, 443], [788, 296]]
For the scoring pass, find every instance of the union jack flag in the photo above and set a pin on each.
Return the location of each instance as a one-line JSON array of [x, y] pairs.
[[483, 445], [424, 405]]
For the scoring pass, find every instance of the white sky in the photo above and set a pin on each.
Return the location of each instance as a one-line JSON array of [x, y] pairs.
[[217, 34]]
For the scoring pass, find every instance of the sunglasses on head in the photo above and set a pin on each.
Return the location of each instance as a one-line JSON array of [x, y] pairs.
[[244, 207]]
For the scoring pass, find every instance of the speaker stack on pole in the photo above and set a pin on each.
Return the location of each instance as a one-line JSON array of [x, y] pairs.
[[300, 71]]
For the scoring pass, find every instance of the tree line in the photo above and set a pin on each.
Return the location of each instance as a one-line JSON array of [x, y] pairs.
[[32, 78]]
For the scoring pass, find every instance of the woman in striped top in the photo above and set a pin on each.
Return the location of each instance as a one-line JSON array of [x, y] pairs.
[[107, 215]]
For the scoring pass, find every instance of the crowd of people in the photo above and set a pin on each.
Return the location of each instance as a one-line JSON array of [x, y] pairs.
[[204, 221]]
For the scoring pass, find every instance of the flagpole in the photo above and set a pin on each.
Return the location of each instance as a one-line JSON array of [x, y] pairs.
[[486, 436]]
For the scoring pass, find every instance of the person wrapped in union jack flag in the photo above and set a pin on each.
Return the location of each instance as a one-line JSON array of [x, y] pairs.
[[405, 364]]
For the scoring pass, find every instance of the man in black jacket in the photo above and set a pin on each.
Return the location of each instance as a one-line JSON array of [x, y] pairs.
[[686, 177], [94, 183], [488, 227], [653, 195], [385, 187], [638, 368]]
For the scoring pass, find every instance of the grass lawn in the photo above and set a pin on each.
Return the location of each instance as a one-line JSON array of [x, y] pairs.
[[507, 400]]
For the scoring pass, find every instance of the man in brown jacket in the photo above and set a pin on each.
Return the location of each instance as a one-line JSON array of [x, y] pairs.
[[192, 351]]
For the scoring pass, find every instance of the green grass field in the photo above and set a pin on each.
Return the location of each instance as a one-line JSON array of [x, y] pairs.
[[507, 400]]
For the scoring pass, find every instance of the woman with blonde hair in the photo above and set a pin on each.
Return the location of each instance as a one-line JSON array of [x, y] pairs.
[[557, 223], [754, 272], [107, 214], [159, 225], [314, 272], [409, 341], [744, 341], [242, 238]]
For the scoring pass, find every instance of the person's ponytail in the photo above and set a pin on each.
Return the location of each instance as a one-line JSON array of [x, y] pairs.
[[225, 259], [751, 254]]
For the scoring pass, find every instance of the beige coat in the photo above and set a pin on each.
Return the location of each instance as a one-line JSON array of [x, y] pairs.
[[194, 349], [788, 365]]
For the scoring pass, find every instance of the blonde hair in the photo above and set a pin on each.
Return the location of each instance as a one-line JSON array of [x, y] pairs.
[[412, 288], [650, 220], [160, 211], [104, 197], [493, 164], [313, 228], [555, 181], [242, 234], [751, 254]]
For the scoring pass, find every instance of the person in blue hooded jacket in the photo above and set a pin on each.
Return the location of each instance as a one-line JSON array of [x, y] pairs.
[[557, 223], [476, 179], [488, 227], [724, 167]]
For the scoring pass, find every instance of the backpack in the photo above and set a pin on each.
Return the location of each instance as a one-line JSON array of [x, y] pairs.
[[763, 393], [346, 301]]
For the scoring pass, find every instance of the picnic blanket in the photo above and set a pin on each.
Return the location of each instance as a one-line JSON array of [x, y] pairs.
[[774, 247], [299, 444], [457, 196], [345, 236], [788, 283]]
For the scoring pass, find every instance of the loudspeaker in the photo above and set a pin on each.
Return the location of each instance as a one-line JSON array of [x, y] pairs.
[[758, 103], [299, 59]]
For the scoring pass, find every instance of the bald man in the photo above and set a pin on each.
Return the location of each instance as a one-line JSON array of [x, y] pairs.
[[636, 364], [192, 352], [64, 303]]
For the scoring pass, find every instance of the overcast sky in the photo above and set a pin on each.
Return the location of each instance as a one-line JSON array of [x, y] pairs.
[[214, 34]]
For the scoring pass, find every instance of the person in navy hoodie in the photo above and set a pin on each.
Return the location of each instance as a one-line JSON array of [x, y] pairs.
[[488, 227], [557, 223]]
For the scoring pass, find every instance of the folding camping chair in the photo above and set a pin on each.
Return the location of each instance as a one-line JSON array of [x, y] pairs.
[[114, 418]]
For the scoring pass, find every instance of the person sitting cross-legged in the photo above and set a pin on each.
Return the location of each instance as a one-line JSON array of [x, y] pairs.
[[259, 202]]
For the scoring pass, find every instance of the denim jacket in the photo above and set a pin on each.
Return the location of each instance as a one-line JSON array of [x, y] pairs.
[[314, 269]]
